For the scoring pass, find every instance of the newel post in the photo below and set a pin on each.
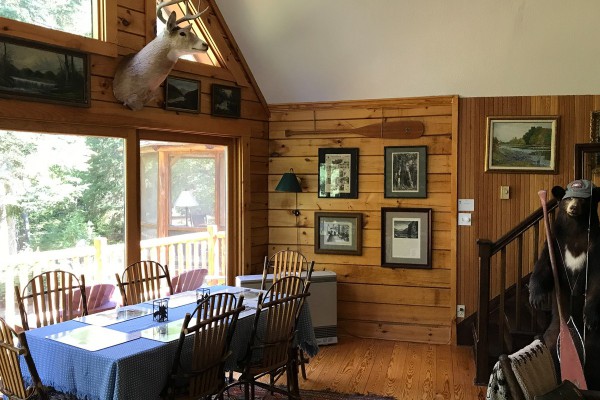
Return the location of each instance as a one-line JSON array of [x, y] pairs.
[[210, 248], [482, 343]]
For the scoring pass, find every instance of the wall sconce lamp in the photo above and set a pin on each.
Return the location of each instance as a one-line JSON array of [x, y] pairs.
[[289, 183]]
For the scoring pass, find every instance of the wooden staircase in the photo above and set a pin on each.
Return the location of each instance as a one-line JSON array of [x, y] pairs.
[[505, 322]]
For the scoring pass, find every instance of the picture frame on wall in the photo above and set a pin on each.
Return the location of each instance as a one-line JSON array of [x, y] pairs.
[[38, 72], [522, 144], [182, 94], [406, 237], [405, 171], [338, 233], [595, 126], [226, 101], [338, 173]]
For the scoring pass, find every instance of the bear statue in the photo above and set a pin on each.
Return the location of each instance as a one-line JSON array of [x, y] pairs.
[[577, 257]]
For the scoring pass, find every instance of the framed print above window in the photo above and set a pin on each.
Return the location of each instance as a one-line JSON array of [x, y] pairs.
[[338, 233], [226, 101], [521, 144], [338, 173], [39, 72], [182, 94], [406, 171], [406, 237]]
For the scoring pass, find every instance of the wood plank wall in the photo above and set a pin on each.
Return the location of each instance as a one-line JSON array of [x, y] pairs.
[[132, 23], [494, 217], [376, 302]]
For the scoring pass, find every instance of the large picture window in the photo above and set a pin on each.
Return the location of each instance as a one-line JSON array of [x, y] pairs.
[[81, 17]]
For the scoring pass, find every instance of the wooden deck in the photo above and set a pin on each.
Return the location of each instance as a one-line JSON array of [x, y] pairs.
[[403, 370]]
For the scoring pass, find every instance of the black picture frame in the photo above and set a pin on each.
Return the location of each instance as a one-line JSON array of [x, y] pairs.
[[34, 71], [182, 94], [338, 233], [406, 237], [405, 172], [338, 173], [226, 101]]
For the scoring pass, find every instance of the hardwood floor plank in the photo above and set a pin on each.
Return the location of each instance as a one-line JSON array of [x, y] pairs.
[[444, 379], [403, 370]]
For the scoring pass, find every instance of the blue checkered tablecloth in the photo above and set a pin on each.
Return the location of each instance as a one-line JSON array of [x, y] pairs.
[[136, 369]]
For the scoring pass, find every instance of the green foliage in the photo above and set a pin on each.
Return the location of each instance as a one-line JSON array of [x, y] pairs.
[[538, 136]]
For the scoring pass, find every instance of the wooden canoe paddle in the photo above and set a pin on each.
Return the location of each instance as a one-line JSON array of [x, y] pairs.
[[384, 129], [570, 363]]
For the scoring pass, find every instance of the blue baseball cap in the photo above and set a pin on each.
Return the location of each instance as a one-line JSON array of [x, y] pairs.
[[581, 188]]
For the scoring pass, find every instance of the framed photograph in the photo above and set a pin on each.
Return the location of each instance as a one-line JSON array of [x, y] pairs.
[[521, 144], [405, 171], [226, 101], [595, 127], [338, 233], [40, 72], [406, 237], [338, 173], [182, 94]]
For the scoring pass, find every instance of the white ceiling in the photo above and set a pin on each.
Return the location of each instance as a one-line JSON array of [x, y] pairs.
[[322, 50]]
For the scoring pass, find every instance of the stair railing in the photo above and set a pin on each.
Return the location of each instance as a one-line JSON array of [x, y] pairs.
[[487, 251]]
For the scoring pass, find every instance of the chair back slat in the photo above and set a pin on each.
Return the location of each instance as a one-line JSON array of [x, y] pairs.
[[189, 280], [48, 298], [143, 281], [211, 324], [13, 346], [286, 263]]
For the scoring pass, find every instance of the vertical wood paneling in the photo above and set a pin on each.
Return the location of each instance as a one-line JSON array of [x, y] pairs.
[[367, 305], [494, 217]]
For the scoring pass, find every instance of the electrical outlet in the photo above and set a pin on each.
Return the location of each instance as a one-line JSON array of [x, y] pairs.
[[460, 311]]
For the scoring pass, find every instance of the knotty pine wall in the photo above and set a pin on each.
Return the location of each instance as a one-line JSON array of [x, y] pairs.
[[494, 217], [130, 26], [376, 302]]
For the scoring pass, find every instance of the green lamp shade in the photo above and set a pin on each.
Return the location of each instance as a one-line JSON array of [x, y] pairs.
[[289, 183]]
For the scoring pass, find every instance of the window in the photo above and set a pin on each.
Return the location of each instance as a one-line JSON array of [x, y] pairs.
[[81, 17], [184, 206], [61, 207]]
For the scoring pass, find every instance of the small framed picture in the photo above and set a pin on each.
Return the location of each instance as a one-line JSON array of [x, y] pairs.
[[338, 233], [338, 173], [39, 72], [406, 237], [406, 171], [521, 144], [182, 94], [226, 101]]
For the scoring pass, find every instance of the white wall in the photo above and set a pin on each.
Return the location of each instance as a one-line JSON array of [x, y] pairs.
[[319, 50]]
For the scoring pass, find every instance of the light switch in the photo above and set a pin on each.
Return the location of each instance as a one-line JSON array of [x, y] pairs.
[[504, 192], [464, 218]]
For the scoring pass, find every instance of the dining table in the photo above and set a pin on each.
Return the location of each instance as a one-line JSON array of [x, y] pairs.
[[127, 353]]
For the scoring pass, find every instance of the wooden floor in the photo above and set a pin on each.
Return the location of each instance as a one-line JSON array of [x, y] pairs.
[[400, 369]]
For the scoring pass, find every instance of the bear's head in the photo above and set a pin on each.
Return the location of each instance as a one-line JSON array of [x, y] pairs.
[[578, 202]]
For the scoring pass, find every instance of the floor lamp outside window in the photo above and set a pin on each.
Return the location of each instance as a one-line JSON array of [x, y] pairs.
[[290, 183]]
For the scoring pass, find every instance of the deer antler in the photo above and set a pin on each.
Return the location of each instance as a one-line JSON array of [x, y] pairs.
[[188, 16]]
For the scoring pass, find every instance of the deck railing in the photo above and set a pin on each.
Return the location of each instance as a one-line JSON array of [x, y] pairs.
[[100, 262]]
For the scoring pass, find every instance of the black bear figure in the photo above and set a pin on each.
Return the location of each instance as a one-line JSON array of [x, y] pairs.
[[577, 256]]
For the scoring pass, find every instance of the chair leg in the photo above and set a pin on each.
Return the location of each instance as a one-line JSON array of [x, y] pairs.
[[303, 361]]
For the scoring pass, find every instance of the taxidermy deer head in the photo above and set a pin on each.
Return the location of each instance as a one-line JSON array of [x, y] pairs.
[[139, 75]]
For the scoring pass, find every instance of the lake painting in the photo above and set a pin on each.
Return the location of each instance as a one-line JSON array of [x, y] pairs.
[[521, 144]]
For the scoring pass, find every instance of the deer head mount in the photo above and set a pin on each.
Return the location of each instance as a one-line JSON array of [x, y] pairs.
[[139, 75]]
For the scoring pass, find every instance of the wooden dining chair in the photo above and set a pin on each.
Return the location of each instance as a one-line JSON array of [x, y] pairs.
[[143, 281], [48, 298], [270, 350], [286, 263], [210, 328]]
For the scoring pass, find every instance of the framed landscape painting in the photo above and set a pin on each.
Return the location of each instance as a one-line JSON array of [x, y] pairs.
[[521, 144], [182, 94], [39, 72]]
